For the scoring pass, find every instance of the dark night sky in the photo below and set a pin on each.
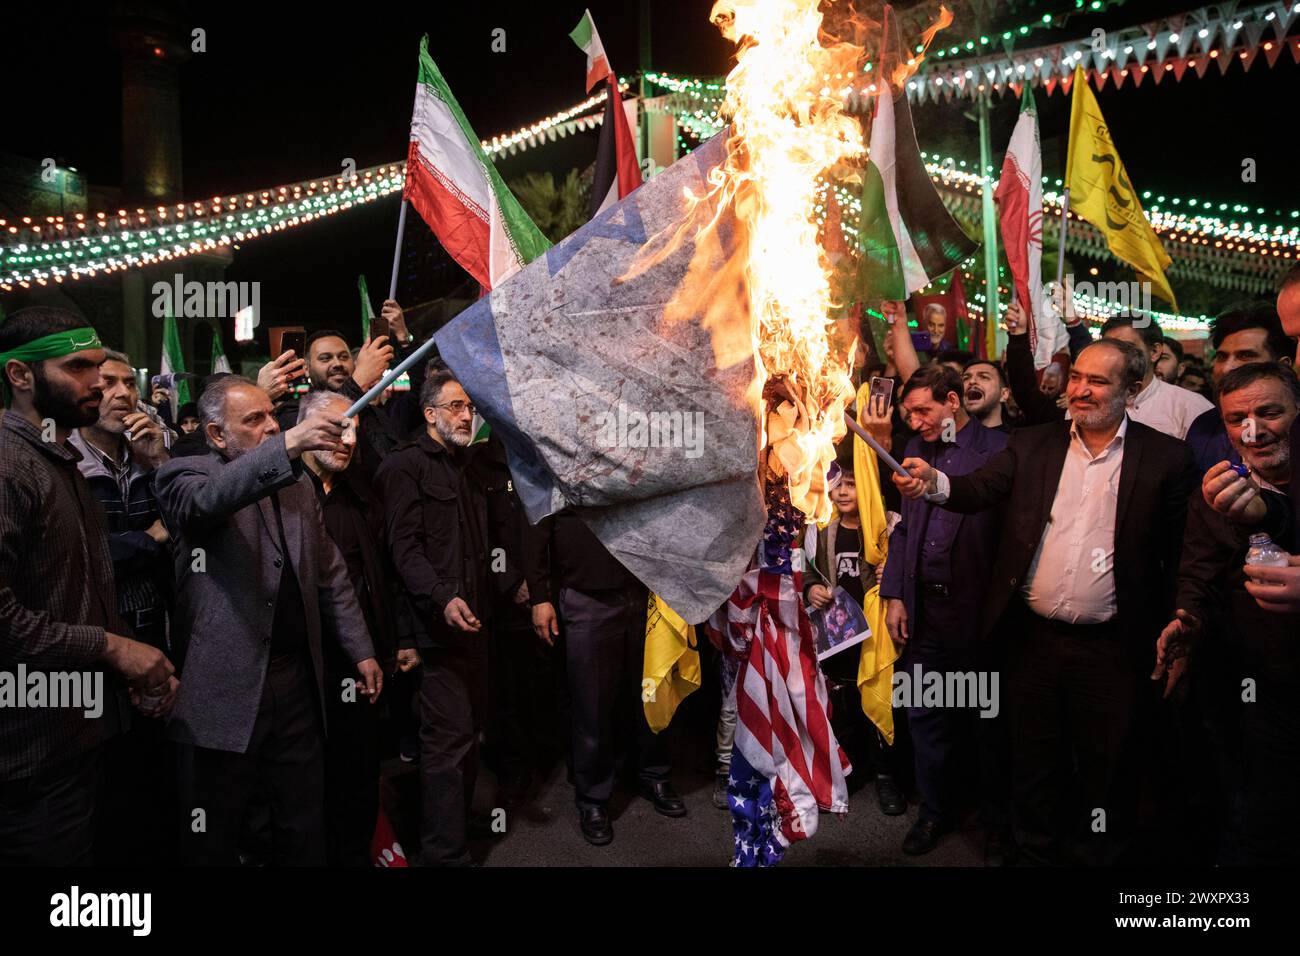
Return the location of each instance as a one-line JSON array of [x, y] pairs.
[[286, 92]]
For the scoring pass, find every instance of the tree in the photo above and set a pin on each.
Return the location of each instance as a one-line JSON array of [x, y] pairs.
[[557, 209]]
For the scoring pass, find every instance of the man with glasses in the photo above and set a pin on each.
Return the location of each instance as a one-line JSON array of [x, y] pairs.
[[436, 522]]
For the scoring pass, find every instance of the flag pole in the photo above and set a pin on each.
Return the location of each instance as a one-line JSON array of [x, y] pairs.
[[397, 251], [890, 462], [1060, 252], [390, 377]]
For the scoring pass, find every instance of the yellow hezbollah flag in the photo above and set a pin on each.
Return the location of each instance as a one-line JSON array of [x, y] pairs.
[[672, 664], [1101, 193], [876, 663]]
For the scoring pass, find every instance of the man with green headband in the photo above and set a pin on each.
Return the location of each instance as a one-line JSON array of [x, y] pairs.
[[58, 619]]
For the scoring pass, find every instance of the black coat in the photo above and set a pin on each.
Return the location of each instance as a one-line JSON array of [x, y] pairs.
[[1155, 477], [436, 522]]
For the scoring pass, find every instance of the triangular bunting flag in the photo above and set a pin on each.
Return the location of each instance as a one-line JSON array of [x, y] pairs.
[[1162, 44], [1294, 44], [1225, 60], [1050, 85], [1138, 73], [1200, 65], [1186, 33], [1118, 76], [1230, 30], [1247, 57], [1286, 13], [1158, 73], [1067, 82], [1180, 67], [1253, 31], [1272, 51]]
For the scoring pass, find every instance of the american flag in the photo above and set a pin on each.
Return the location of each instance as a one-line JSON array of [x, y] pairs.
[[786, 764]]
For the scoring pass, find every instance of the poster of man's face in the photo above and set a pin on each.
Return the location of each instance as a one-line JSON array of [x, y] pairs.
[[839, 625]]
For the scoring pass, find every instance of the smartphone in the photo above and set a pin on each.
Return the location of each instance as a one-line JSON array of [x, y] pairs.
[[295, 340], [881, 396], [378, 327]]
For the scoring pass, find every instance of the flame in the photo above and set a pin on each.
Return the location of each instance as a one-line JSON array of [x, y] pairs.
[[770, 300], [789, 128]]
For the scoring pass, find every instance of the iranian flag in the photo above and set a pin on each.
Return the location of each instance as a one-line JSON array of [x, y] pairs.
[[907, 238], [219, 361], [456, 190], [173, 361], [1020, 217], [617, 172]]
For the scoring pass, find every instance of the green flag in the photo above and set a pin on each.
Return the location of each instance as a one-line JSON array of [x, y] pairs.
[[173, 360], [367, 310]]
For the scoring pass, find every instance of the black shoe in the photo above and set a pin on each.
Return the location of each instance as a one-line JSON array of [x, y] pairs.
[[999, 849], [720, 781], [890, 795], [664, 797], [596, 829], [922, 838]]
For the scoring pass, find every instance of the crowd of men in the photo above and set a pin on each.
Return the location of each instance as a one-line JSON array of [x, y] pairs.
[[256, 576]]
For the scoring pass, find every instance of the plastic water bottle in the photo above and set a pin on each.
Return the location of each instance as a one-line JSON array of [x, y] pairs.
[[1265, 553]]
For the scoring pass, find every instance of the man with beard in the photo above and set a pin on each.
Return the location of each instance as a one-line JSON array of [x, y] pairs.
[[934, 583], [332, 366], [1164, 407], [437, 525], [258, 583], [58, 611], [984, 394], [139, 786], [1239, 337], [1082, 585], [354, 519], [1169, 360], [1247, 640]]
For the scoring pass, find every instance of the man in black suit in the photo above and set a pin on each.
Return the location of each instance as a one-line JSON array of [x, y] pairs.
[[1083, 584]]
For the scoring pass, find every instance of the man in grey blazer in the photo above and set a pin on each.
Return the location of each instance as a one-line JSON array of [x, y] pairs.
[[258, 582]]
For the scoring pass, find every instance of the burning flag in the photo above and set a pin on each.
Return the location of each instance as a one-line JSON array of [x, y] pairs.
[[1020, 216], [609, 402], [617, 172], [458, 192], [907, 238]]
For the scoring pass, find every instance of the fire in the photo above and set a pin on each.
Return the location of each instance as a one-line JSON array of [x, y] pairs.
[[789, 129]]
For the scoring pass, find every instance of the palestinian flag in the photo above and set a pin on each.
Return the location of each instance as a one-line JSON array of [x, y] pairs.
[[617, 171], [458, 192], [907, 238], [1020, 218], [219, 361], [173, 361]]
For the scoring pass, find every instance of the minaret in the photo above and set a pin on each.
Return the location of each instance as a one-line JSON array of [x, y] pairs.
[[153, 43]]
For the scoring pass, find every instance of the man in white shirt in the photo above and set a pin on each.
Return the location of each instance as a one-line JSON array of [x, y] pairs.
[[1164, 407], [1081, 587]]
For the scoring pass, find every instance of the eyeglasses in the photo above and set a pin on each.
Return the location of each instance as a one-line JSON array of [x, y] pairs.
[[457, 407]]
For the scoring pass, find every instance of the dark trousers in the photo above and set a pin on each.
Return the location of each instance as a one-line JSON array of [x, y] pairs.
[[605, 647], [137, 793], [453, 691], [285, 762], [49, 819], [951, 742], [351, 771], [1266, 832], [1074, 693], [522, 699]]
